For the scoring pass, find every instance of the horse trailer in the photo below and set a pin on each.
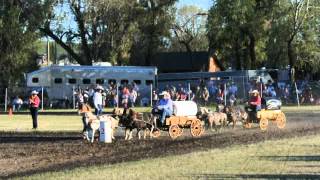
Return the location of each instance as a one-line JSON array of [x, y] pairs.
[[59, 82]]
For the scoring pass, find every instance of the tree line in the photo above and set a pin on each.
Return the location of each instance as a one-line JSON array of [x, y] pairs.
[[243, 34]]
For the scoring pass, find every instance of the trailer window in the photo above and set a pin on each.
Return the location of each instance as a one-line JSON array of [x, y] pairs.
[[112, 81], [72, 81], [148, 82], [99, 81], [35, 80], [138, 82], [86, 81], [124, 81], [57, 80]]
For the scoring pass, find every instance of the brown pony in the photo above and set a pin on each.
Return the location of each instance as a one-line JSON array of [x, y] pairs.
[[133, 120], [213, 119], [235, 114]]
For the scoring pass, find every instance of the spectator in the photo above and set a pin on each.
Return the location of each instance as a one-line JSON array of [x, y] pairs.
[[125, 97], [198, 95], [233, 89], [205, 96], [133, 97], [155, 97], [97, 100], [191, 95], [220, 96], [232, 99], [34, 102], [17, 103]]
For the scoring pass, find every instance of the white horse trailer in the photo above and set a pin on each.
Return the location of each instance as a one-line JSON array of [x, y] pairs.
[[60, 81]]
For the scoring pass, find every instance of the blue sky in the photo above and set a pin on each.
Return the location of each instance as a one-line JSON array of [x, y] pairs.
[[204, 4]]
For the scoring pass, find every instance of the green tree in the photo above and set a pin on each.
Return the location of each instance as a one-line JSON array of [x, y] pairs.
[[189, 30], [294, 37], [153, 30], [18, 32], [236, 31]]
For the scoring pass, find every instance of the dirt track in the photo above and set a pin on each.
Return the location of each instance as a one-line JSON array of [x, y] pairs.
[[24, 153]]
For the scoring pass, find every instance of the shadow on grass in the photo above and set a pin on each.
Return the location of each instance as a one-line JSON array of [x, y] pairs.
[[255, 176], [291, 158]]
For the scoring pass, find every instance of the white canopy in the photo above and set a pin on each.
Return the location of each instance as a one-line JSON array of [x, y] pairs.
[[185, 108]]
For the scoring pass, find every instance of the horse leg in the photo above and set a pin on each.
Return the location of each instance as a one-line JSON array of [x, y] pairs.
[[145, 134], [130, 134], [112, 132], [126, 134], [155, 121], [138, 133], [92, 138]]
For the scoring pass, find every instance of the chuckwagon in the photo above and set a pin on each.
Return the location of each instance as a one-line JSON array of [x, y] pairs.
[[272, 112], [184, 116]]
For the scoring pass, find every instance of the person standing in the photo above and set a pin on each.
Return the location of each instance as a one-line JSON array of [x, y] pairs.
[[97, 100], [34, 102], [17, 103]]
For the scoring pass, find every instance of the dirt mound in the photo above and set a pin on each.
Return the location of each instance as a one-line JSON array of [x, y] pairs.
[[24, 153]]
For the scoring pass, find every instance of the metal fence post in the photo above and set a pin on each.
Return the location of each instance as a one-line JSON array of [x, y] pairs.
[[244, 87], [6, 100], [42, 98], [225, 94], [73, 98], [117, 86], [295, 84], [151, 95], [189, 91]]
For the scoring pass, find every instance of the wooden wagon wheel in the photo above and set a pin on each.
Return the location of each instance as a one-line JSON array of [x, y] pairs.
[[264, 124], [281, 120], [156, 133], [196, 128], [174, 131]]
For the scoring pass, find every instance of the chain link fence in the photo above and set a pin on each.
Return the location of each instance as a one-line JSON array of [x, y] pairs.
[[226, 91]]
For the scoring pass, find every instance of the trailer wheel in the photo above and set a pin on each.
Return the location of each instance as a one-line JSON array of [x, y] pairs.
[[156, 133], [174, 131], [281, 120], [264, 124], [196, 128]]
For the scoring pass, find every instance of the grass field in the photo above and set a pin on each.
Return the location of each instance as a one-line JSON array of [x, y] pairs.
[[297, 158], [45, 123]]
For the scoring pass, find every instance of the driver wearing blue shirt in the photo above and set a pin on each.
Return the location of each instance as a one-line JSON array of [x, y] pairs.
[[164, 106]]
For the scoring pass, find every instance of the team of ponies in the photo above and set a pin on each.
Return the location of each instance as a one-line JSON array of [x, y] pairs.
[[131, 120]]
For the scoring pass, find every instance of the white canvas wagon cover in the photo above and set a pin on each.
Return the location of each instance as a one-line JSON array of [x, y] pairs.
[[185, 108]]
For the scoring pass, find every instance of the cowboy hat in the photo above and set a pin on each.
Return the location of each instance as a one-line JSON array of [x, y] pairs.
[[163, 93], [99, 88], [34, 92], [255, 92]]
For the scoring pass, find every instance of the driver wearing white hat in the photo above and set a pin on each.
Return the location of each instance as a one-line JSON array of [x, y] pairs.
[[164, 106], [255, 100]]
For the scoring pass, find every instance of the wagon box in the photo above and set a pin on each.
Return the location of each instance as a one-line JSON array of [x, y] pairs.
[[184, 116]]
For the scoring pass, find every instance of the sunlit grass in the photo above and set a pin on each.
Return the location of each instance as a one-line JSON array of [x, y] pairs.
[[45, 123]]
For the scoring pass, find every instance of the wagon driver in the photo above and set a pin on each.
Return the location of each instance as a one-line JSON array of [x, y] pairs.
[[164, 106], [34, 102], [255, 101]]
